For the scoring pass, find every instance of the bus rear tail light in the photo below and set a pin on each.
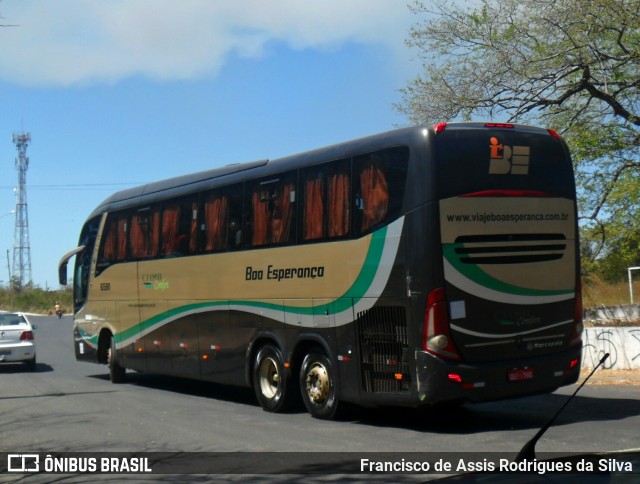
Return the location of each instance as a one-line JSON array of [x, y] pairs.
[[436, 338], [26, 336], [554, 133], [439, 128], [454, 377], [499, 125]]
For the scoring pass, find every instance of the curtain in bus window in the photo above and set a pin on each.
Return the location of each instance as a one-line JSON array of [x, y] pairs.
[[216, 209], [109, 244], [170, 217], [375, 195], [313, 209], [121, 254], [193, 236], [261, 216], [110, 239], [154, 233], [138, 236], [339, 204], [282, 215]]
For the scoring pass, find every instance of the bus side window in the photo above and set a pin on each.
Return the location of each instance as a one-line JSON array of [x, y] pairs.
[[373, 194], [179, 227], [170, 219], [222, 219], [216, 213], [145, 234], [271, 217], [115, 243], [113, 248], [326, 207], [379, 180]]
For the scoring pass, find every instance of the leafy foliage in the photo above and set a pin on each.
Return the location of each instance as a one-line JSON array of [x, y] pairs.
[[572, 65]]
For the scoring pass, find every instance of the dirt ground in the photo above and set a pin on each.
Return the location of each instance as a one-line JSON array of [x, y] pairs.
[[612, 377]]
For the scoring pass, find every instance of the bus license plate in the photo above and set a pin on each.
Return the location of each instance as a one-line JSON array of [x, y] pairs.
[[520, 374]]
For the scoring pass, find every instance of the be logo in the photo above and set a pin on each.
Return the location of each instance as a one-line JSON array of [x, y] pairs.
[[506, 160]]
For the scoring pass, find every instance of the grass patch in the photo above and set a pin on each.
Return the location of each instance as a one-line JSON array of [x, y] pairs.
[[35, 300], [597, 293]]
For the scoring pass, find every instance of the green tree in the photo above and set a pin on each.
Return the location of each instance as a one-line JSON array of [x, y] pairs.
[[573, 65]]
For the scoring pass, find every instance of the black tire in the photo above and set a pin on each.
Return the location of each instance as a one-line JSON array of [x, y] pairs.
[[117, 373], [317, 386], [272, 382]]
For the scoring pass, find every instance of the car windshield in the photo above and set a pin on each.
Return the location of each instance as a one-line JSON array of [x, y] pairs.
[[11, 319]]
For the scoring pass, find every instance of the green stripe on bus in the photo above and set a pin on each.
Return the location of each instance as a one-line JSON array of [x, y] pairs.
[[92, 340], [477, 275], [351, 296]]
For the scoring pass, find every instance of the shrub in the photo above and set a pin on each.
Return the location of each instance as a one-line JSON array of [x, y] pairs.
[[35, 300]]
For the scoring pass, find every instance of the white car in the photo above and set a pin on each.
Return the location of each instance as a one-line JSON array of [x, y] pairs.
[[17, 342]]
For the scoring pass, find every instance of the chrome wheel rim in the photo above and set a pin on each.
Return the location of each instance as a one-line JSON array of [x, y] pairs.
[[318, 384], [269, 377]]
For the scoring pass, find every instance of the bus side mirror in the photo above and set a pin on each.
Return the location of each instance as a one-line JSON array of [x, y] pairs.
[[62, 274], [62, 265]]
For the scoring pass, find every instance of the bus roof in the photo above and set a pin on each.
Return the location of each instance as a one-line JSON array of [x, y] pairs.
[[234, 173], [229, 174]]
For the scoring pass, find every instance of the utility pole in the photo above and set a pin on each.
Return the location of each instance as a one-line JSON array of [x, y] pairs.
[[8, 268], [21, 249]]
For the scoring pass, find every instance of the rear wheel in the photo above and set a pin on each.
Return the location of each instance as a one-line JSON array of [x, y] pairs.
[[271, 381], [318, 387], [117, 373]]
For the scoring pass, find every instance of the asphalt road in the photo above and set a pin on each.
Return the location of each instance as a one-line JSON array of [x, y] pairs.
[[70, 406]]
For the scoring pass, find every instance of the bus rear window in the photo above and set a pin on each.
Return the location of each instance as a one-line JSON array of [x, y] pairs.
[[500, 159]]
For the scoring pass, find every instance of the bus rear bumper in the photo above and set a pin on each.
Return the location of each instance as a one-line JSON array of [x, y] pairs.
[[440, 381]]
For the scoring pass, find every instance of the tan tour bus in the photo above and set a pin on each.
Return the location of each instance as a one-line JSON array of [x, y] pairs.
[[416, 267]]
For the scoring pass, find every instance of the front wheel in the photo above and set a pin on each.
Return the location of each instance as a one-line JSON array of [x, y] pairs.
[[117, 373], [318, 386], [271, 381]]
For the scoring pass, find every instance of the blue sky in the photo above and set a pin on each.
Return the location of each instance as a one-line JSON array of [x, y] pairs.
[[117, 93]]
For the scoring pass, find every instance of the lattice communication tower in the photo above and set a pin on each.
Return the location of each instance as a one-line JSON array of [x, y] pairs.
[[21, 249]]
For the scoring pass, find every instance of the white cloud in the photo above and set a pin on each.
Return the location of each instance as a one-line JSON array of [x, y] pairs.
[[80, 41]]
